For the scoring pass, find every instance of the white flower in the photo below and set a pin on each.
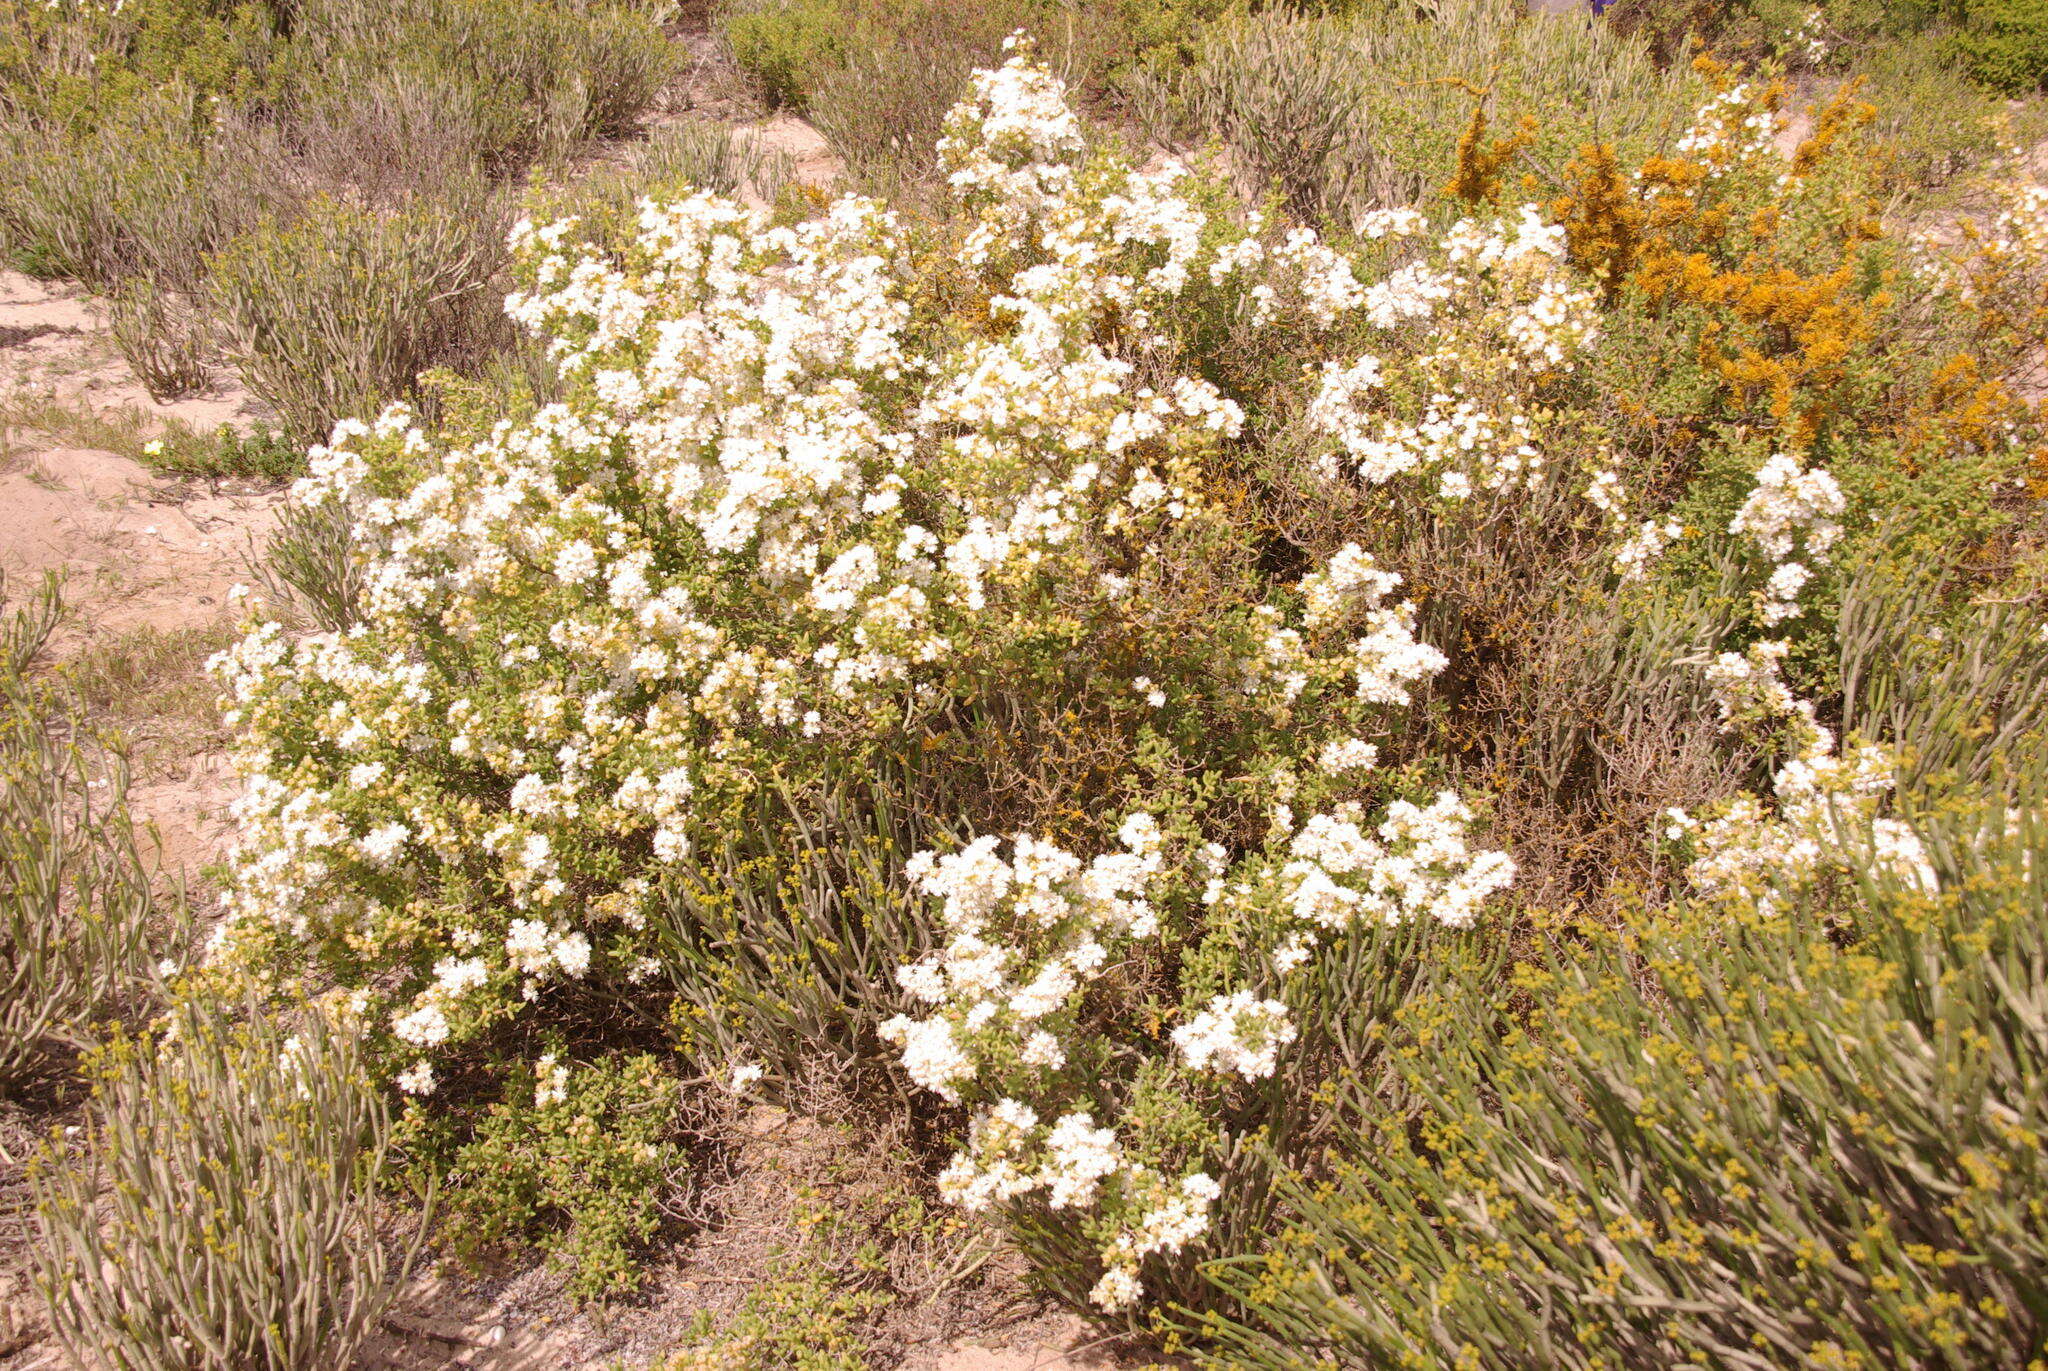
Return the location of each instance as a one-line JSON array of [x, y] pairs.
[[452, 976], [931, 1056], [425, 1026], [551, 1082], [1347, 754], [1118, 1289], [1079, 1156], [576, 563], [1634, 558], [529, 945], [1789, 507], [1042, 1049], [571, 952], [1236, 1033], [383, 843]]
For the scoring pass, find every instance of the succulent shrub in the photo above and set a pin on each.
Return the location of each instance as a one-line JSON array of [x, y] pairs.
[[330, 315], [1733, 1132], [218, 1209], [79, 923]]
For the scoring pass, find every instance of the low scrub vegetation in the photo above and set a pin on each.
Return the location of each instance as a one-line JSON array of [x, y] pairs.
[[1406, 733], [275, 186]]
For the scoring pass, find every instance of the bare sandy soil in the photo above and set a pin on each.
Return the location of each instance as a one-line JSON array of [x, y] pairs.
[[146, 560]]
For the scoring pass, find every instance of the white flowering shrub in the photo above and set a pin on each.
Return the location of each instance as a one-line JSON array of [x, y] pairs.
[[819, 495], [1499, 311], [784, 516], [1790, 519]]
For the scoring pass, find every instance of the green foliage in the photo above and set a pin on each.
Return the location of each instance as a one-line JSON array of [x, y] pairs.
[[1931, 130], [311, 568], [882, 102], [878, 79], [162, 343], [813, 56], [262, 453], [1799, 33], [1958, 688], [329, 316], [798, 1319], [787, 46], [576, 1157], [522, 78], [2004, 44], [677, 161], [78, 920], [144, 190], [324, 156], [783, 944], [217, 1211], [860, 1238]]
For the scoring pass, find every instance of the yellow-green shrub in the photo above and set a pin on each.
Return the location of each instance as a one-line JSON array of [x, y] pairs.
[[1711, 1137], [1348, 112], [786, 46], [577, 1156]]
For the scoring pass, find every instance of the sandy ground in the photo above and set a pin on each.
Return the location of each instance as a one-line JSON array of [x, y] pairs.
[[138, 553]]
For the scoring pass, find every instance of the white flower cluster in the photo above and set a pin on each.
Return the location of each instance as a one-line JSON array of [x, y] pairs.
[[1750, 691], [1502, 302], [1641, 549], [1236, 1033], [1791, 512], [1466, 445], [1810, 38], [1026, 938], [772, 509], [995, 997], [551, 1081], [1350, 591], [1828, 818], [1730, 131], [1417, 864]]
